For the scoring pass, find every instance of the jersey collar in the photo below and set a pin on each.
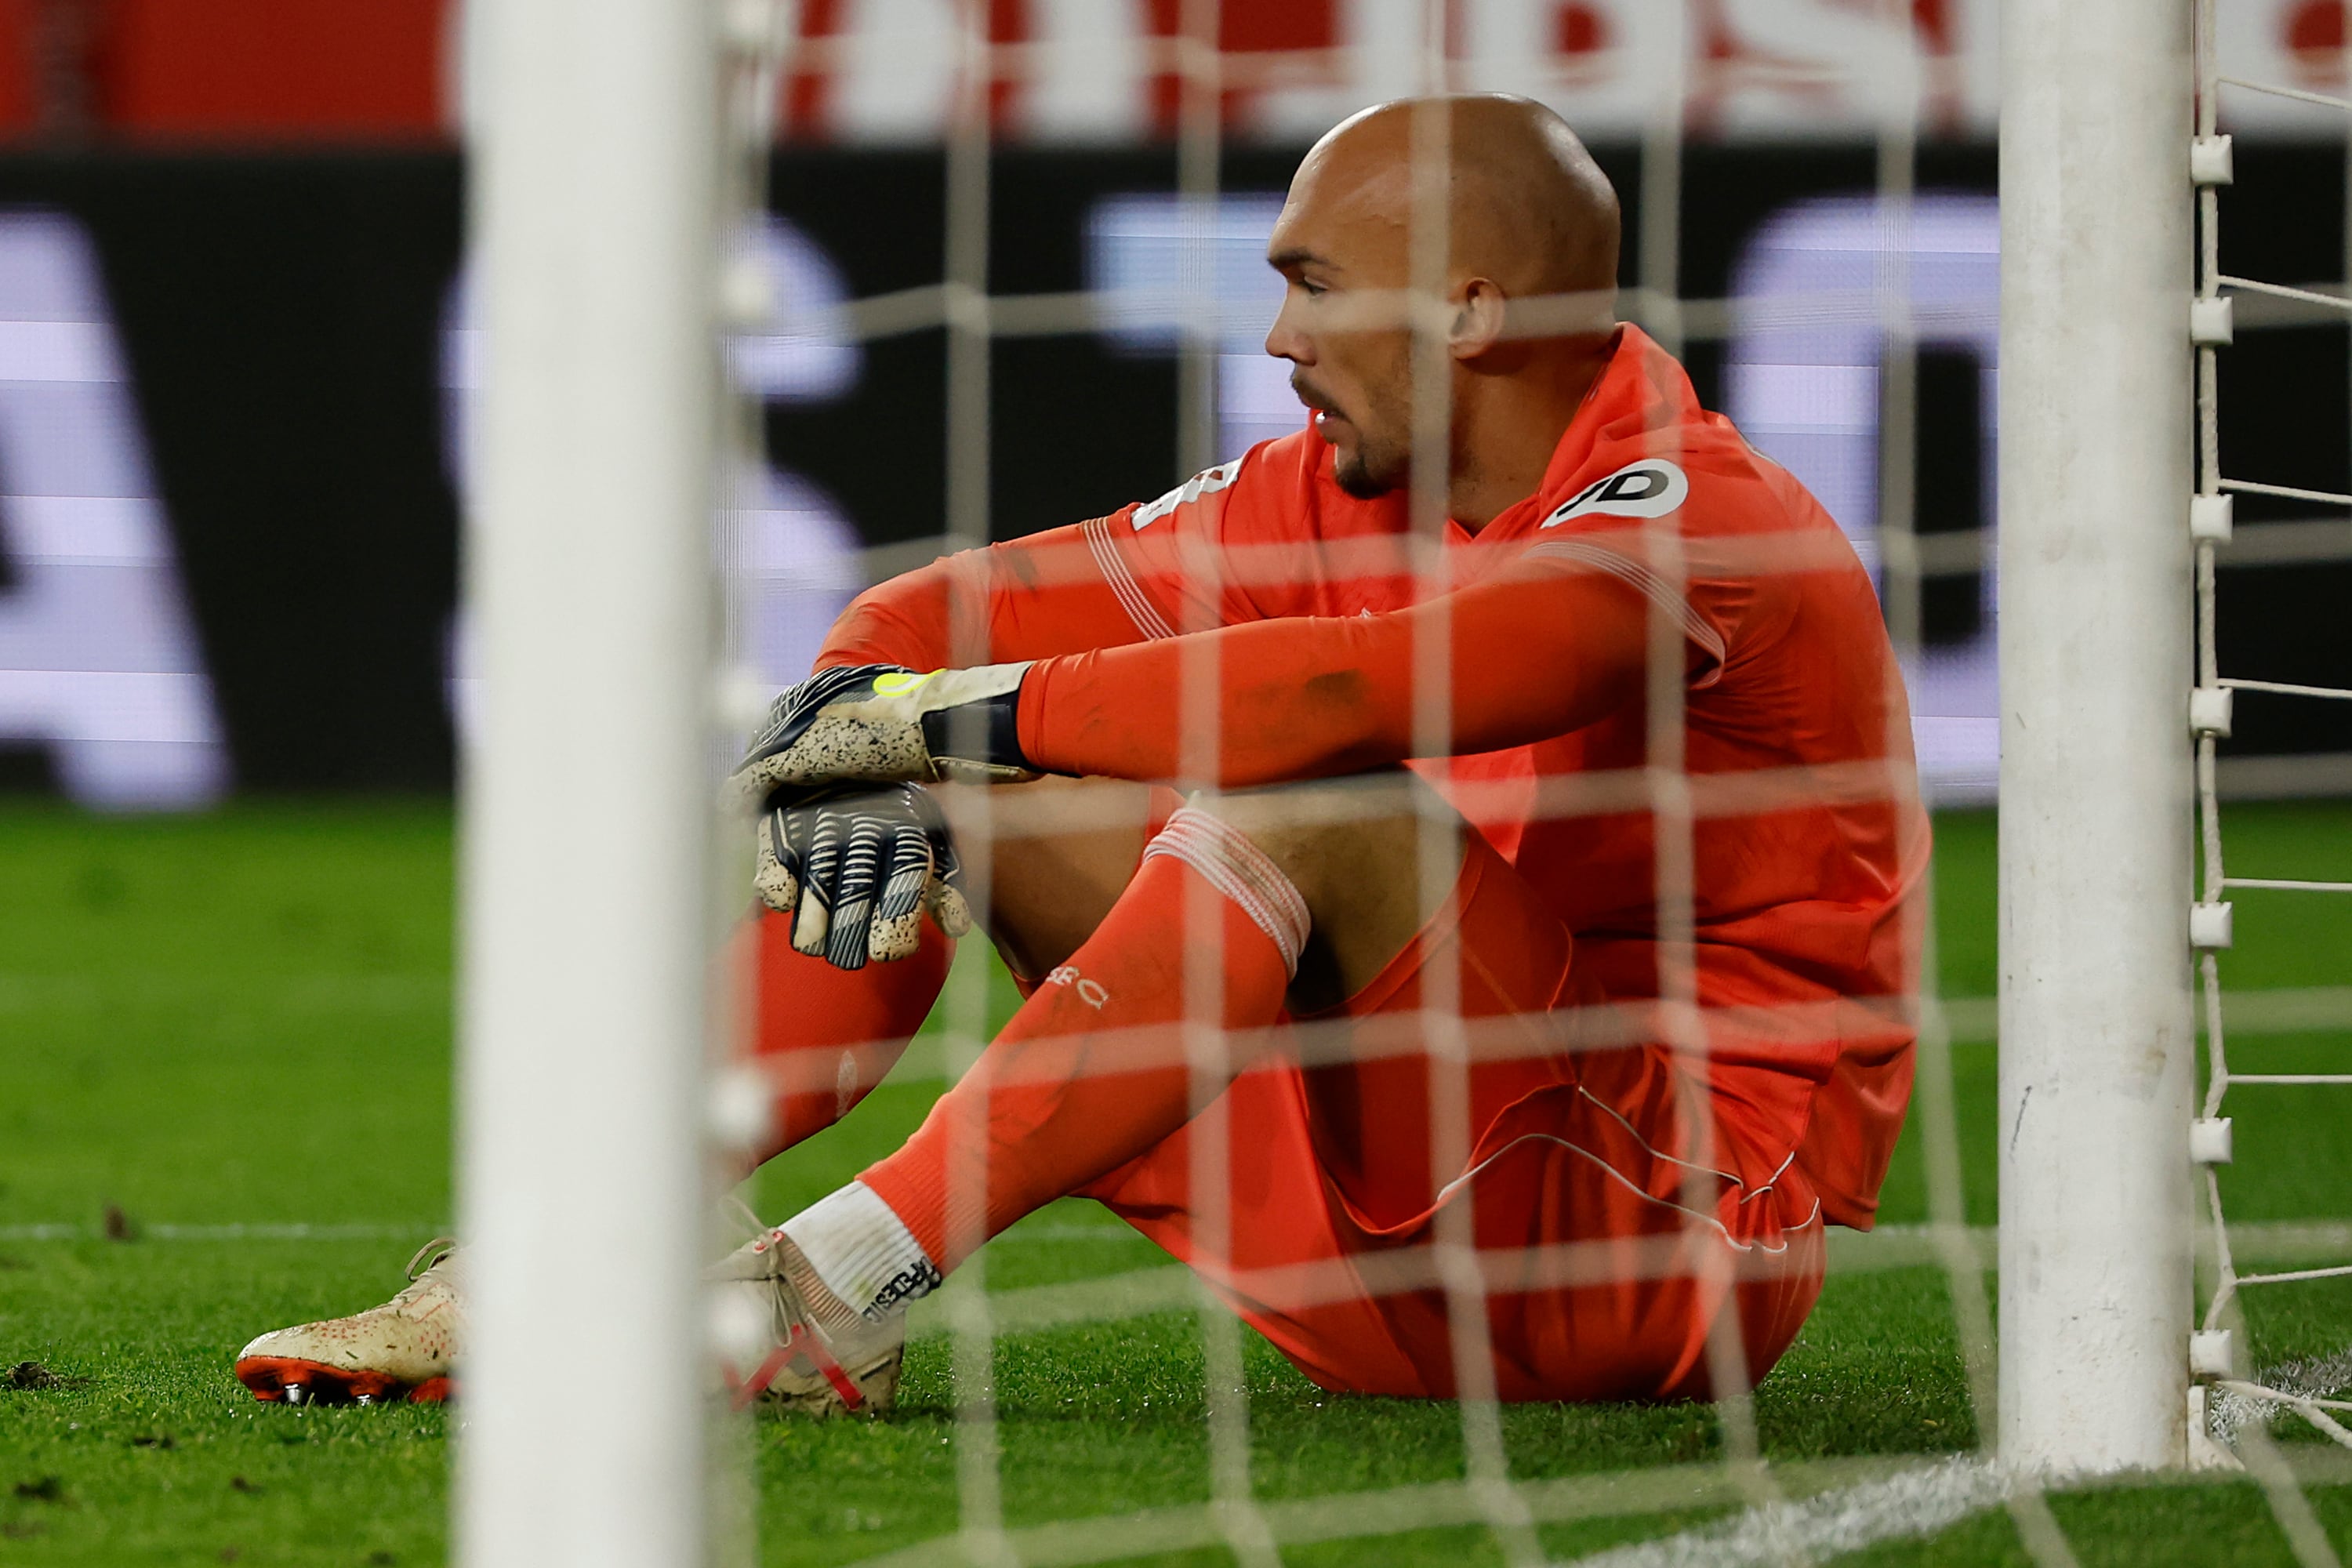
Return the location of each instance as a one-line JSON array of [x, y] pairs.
[[1640, 380], [1641, 386]]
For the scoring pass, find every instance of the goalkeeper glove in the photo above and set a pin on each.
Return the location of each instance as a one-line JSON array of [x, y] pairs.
[[856, 867], [878, 724]]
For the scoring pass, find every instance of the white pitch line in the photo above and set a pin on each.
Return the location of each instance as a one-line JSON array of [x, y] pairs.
[[395, 992], [2318, 1378], [1905, 1507], [1890, 1245], [142, 1231]]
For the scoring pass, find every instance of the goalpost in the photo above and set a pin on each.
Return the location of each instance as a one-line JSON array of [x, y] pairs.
[[2096, 1035], [586, 798], [2114, 695]]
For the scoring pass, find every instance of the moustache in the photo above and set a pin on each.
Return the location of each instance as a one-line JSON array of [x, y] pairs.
[[1312, 398]]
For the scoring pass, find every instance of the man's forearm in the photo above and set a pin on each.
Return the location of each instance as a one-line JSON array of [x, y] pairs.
[[1532, 656]]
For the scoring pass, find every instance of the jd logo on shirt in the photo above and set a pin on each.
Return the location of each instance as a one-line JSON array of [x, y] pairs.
[[1651, 488]]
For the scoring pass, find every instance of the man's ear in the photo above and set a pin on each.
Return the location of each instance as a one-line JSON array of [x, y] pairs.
[[1478, 319]]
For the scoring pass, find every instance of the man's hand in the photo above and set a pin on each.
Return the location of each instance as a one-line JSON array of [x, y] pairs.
[[876, 723], [855, 867]]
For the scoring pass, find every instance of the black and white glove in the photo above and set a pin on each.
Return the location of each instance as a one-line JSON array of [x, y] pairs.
[[879, 723], [855, 867]]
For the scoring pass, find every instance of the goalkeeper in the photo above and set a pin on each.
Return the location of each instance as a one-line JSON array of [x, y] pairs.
[[1666, 1095]]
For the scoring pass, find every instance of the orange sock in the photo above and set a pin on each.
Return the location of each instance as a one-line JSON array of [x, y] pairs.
[[825, 1035], [1092, 1071]]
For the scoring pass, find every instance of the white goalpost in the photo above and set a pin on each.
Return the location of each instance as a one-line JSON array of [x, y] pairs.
[[2096, 1037], [586, 799]]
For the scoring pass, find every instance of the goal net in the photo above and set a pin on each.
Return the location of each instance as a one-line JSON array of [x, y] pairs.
[[2230, 1408], [986, 270], [1180, 273]]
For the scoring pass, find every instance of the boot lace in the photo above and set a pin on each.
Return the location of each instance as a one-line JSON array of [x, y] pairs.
[[430, 1256]]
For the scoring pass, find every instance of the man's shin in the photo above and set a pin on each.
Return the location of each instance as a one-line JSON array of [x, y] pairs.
[[825, 1037], [1098, 1065]]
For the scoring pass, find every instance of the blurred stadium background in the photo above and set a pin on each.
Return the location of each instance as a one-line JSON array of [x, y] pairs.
[[235, 352], [236, 340]]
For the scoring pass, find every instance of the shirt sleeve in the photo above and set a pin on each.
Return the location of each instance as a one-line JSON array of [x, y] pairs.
[[1546, 646], [1145, 573], [1027, 598], [1710, 603]]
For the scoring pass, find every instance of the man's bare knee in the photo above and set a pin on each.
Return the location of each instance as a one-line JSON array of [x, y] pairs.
[[1372, 856], [1053, 856], [1332, 837]]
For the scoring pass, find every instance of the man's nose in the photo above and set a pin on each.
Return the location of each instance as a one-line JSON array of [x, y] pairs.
[[1284, 340]]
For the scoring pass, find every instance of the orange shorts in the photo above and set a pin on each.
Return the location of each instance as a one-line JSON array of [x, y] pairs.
[[1617, 1206]]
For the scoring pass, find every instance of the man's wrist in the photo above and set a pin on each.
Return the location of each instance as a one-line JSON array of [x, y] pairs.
[[981, 736]]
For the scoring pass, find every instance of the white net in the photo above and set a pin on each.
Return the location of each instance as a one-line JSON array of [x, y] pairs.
[[1819, 345], [2230, 1416]]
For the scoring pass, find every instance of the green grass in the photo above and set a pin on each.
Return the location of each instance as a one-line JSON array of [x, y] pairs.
[[243, 1020]]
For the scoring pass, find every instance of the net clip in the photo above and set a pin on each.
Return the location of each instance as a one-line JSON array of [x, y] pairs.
[[2211, 518], [2210, 927], [2212, 1352], [2209, 1142], [2209, 709], [2209, 324], [2210, 163], [2204, 1452]]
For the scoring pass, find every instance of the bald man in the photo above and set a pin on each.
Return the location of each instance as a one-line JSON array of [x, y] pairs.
[[1399, 985]]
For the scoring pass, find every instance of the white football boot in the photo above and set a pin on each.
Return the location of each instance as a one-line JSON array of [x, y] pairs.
[[818, 1363], [406, 1350]]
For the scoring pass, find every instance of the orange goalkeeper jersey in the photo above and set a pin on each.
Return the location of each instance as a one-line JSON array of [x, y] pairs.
[[1796, 777]]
